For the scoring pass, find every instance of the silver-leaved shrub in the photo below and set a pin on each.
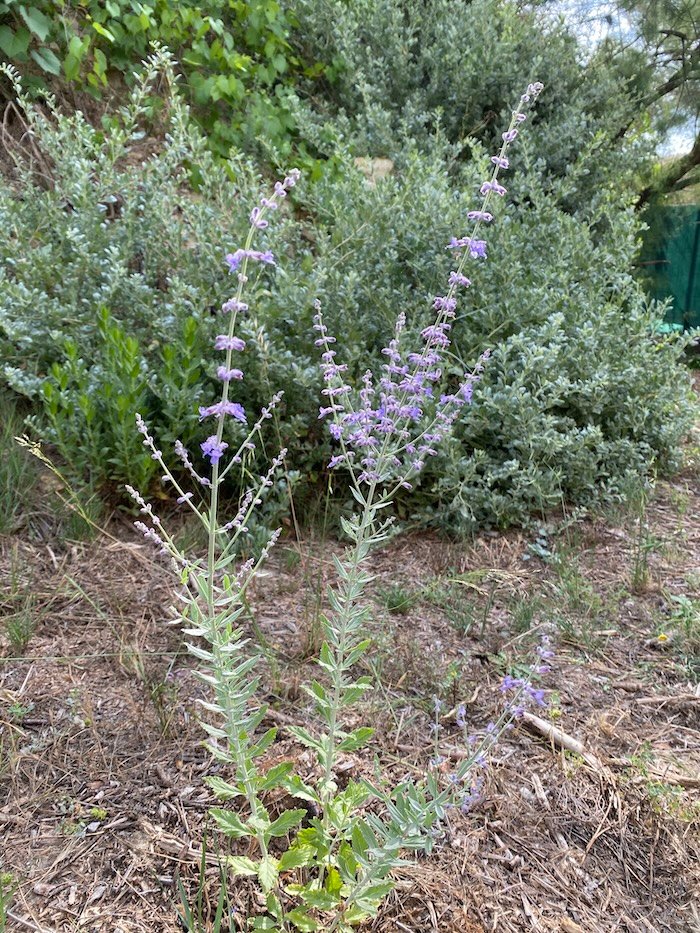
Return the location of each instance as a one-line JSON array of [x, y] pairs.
[[111, 277]]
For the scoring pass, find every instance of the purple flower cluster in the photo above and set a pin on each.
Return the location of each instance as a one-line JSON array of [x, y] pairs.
[[526, 694], [394, 422], [235, 259]]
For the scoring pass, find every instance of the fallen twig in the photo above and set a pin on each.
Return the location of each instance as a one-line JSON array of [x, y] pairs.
[[561, 739]]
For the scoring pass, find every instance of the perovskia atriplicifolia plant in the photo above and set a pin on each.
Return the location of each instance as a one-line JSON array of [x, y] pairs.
[[327, 864]]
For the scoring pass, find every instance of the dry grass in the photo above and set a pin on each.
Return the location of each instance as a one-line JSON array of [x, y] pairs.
[[103, 804]]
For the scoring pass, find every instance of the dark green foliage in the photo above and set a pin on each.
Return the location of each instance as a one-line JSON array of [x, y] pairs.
[[234, 57]]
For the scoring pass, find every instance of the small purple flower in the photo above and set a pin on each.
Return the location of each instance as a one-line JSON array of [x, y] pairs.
[[223, 342], [510, 136], [500, 161], [511, 683], [220, 409], [457, 278], [492, 186], [185, 497], [232, 305], [235, 259], [483, 216], [213, 448], [257, 220], [442, 303], [226, 375]]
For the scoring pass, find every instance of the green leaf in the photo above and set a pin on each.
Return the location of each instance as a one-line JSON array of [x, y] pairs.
[[241, 865], [296, 857], [46, 59], [320, 900], [222, 789], [268, 872], [356, 739], [305, 738], [14, 44], [275, 775], [265, 923], [263, 743], [288, 820], [334, 883], [230, 823], [372, 897], [102, 31], [39, 24], [297, 788], [301, 920]]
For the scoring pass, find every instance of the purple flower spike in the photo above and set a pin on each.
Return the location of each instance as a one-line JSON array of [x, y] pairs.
[[213, 448]]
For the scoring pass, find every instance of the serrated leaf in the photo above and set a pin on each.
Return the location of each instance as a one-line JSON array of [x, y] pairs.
[[301, 920], [297, 788], [222, 789], [353, 656], [241, 865], [319, 900], [297, 857], [371, 898], [230, 823], [356, 739], [275, 775], [325, 658], [334, 883], [268, 872], [305, 738], [288, 820], [263, 743]]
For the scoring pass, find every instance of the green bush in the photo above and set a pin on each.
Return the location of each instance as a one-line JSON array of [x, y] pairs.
[[112, 278]]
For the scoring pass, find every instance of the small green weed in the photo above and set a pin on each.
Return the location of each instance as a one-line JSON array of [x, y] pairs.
[[460, 611], [18, 607], [18, 474], [8, 886], [195, 916], [665, 799], [685, 623], [525, 612], [398, 598]]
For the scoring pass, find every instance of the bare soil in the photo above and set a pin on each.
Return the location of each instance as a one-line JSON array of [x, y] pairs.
[[103, 805]]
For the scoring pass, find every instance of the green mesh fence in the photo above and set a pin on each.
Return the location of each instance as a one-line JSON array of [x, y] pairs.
[[670, 263]]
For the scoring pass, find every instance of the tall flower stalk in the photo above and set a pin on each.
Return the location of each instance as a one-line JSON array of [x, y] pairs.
[[335, 869]]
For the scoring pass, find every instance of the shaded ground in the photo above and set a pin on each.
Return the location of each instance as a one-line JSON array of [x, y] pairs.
[[103, 804]]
